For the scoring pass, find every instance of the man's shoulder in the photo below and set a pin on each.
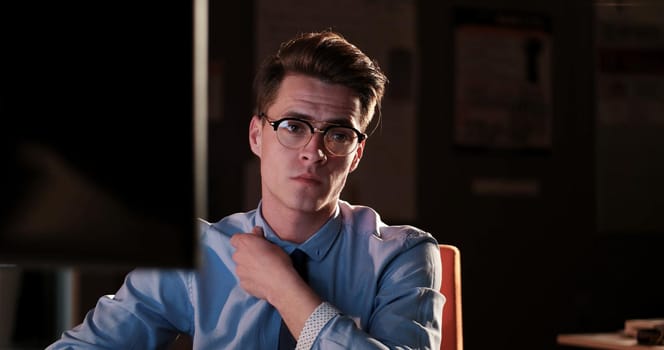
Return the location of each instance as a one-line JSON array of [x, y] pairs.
[[365, 223], [409, 235], [228, 225]]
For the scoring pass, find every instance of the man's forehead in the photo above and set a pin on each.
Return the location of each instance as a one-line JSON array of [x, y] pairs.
[[311, 98]]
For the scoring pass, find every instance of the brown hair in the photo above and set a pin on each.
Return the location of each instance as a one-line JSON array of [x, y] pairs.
[[327, 56]]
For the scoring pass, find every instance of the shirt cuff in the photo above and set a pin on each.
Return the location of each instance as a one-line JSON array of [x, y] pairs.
[[314, 324]]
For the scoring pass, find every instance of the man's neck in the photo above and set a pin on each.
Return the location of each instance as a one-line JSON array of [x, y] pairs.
[[293, 225]]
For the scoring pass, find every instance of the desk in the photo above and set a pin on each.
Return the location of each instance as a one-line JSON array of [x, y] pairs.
[[609, 341]]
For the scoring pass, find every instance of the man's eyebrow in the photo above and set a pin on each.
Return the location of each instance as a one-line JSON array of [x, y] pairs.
[[337, 121], [298, 115]]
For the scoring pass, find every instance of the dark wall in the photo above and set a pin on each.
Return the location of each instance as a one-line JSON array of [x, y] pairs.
[[532, 266], [231, 51]]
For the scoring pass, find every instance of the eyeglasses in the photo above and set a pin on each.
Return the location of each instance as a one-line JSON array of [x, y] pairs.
[[294, 133]]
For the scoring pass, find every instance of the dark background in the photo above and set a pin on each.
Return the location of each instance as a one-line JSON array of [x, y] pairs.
[[531, 267], [97, 146]]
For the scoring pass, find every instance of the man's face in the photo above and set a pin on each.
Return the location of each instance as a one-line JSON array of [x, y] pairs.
[[307, 179]]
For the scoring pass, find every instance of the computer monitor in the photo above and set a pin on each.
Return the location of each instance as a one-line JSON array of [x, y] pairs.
[[103, 136]]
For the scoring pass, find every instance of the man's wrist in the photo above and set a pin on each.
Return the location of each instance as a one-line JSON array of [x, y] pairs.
[[314, 324]]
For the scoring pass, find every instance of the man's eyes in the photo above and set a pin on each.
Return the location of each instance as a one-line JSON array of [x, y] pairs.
[[293, 126]]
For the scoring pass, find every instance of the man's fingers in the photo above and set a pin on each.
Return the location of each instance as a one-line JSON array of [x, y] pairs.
[[258, 231]]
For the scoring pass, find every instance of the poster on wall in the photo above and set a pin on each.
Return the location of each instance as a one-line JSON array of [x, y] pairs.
[[502, 80], [630, 66], [629, 81]]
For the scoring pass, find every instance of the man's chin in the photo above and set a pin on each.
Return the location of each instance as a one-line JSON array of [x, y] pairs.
[[311, 206]]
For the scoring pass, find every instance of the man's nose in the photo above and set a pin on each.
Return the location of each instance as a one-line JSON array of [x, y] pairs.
[[314, 150]]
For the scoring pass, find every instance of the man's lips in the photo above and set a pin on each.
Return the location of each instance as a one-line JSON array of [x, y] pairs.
[[308, 178]]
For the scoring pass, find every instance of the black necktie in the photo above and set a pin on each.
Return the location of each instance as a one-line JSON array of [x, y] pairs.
[[299, 258]]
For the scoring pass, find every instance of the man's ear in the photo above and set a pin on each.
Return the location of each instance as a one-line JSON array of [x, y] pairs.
[[357, 156], [255, 134]]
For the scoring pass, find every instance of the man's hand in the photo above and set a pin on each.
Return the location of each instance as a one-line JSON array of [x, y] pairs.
[[266, 272], [261, 265]]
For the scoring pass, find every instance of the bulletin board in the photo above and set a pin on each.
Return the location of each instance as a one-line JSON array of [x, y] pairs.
[[503, 80]]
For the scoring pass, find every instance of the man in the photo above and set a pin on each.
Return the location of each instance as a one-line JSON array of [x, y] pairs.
[[361, 285]]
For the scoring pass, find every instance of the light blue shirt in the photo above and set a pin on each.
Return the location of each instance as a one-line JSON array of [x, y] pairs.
[[381, 281]]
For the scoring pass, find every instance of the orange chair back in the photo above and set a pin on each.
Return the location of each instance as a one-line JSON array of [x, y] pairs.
[[451, 289]]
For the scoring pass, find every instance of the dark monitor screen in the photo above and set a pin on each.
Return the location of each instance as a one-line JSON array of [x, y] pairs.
[[97, 109]]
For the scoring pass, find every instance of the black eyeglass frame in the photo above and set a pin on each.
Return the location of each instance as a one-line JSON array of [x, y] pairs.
[[275, 126]]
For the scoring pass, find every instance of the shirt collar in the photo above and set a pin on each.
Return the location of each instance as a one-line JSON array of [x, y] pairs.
[[317, 245]]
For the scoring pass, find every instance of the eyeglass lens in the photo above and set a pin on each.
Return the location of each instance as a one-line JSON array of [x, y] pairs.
[[339, 140]]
